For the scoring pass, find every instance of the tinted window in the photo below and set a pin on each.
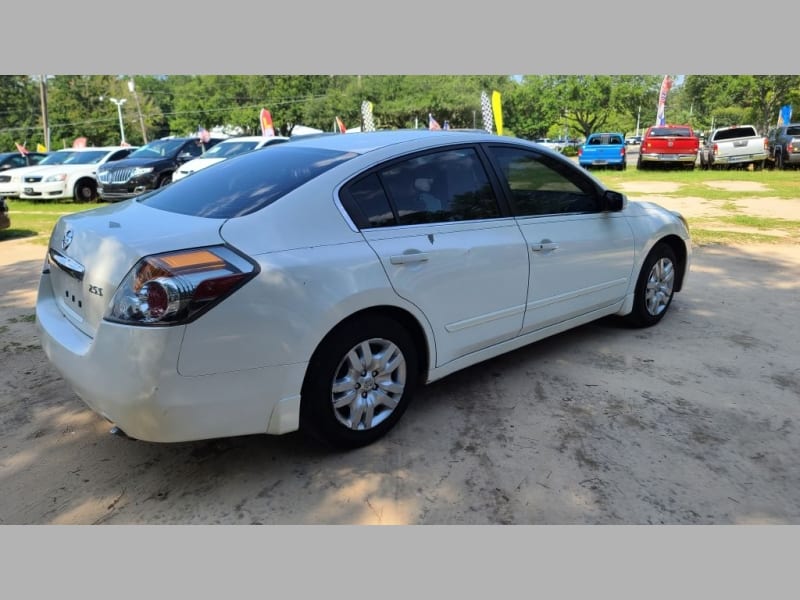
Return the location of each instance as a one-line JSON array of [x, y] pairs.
[[736, 132], [542, 186], [367, 204], [793, 131], [244, 184], [440, 187], [670, 132]]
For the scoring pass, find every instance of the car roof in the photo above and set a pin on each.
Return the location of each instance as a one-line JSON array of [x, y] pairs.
[[364, 142]]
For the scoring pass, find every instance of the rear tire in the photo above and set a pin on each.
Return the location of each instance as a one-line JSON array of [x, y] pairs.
[[655, 287], [779, 164], [359, 382]]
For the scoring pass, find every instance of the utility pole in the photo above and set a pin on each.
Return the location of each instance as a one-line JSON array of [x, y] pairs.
[[639, 116], [119, 104], [45, 125], [132, 89]]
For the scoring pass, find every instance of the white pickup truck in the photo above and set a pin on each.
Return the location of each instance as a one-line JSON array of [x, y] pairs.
[[739, 145]]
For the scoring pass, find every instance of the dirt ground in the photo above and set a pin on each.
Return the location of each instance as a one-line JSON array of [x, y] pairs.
[[692, 421]]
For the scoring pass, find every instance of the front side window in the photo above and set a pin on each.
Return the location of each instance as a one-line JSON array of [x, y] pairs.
[[541, 186]]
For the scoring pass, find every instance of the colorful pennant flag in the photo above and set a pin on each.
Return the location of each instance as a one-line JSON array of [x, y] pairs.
[[666, 84], [41, 148], [79, 142], [267, 128], [22, 149], [433, 125], [785, 115], [340, 125], [366, 116], [486, 111], [497, 109]]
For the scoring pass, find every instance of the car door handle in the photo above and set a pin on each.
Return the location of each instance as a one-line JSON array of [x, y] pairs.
[[408, 257], [543, 246]]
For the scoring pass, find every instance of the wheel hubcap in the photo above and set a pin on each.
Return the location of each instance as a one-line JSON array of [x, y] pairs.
[[659, 286], [368, 384]]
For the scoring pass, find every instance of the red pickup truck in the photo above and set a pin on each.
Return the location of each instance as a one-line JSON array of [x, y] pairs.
[[668, 144]]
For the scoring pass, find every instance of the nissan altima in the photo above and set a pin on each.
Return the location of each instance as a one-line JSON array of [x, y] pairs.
[[314, 285]]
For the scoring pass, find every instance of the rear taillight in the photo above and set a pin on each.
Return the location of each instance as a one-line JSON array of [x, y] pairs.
[[789, 146], [715, 149], [766, 144], [580, 151], [622, 151], [177, 287]]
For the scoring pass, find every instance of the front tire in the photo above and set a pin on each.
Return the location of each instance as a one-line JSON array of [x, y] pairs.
[[655, 287], [359, 382], [84, 191]]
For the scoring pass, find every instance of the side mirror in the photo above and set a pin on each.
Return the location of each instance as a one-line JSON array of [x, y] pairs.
[[611, 201], [184, 156]]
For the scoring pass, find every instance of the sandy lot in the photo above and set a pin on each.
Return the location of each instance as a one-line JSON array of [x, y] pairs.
[[692, 421]]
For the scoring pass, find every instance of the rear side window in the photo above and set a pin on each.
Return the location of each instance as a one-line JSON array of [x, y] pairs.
[[244, 184], [793, 131], [437, 187]]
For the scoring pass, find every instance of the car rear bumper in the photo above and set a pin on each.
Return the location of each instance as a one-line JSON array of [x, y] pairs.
[[129, 375], [668, 158], [743, 158]]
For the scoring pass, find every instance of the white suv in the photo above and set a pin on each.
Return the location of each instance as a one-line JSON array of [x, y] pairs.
[[75, 178]]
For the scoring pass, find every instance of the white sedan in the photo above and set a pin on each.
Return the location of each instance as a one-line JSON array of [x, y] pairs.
[[224, 150], [315, 285]]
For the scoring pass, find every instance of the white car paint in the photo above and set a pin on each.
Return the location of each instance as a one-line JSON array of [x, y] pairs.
[[222, 151], [472, 288], [58, 182], [11, 179]]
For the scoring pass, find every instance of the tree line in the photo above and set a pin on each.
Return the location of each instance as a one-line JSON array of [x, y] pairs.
[[533, 105]]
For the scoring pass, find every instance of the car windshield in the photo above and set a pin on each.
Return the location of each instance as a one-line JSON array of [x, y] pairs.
[[228, 149], [85, 158], [244, 184], [56, 158], [157, 149]]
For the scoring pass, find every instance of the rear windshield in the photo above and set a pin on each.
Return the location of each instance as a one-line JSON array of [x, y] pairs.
[[735, 132], [246, 183], [793, 131], [670, 132]]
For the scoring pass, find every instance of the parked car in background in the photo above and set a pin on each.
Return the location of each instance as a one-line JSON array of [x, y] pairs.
[[603, 150], [149, 167], [634, 140], [11, 179], [735, 146], [75, 178], [315, 284], [783, 146], [226, 149], [15, 160], [675, 145], [548, 143], [5, 220]]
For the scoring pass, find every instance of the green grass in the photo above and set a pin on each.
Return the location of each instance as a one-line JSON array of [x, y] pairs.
[[777, 184], [36, 220]]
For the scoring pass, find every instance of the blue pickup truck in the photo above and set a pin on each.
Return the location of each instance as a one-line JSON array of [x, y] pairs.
[[603, 150]]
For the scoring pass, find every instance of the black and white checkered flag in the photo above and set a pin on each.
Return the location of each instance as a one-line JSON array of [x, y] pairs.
[[486, 110], [366, 116]]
